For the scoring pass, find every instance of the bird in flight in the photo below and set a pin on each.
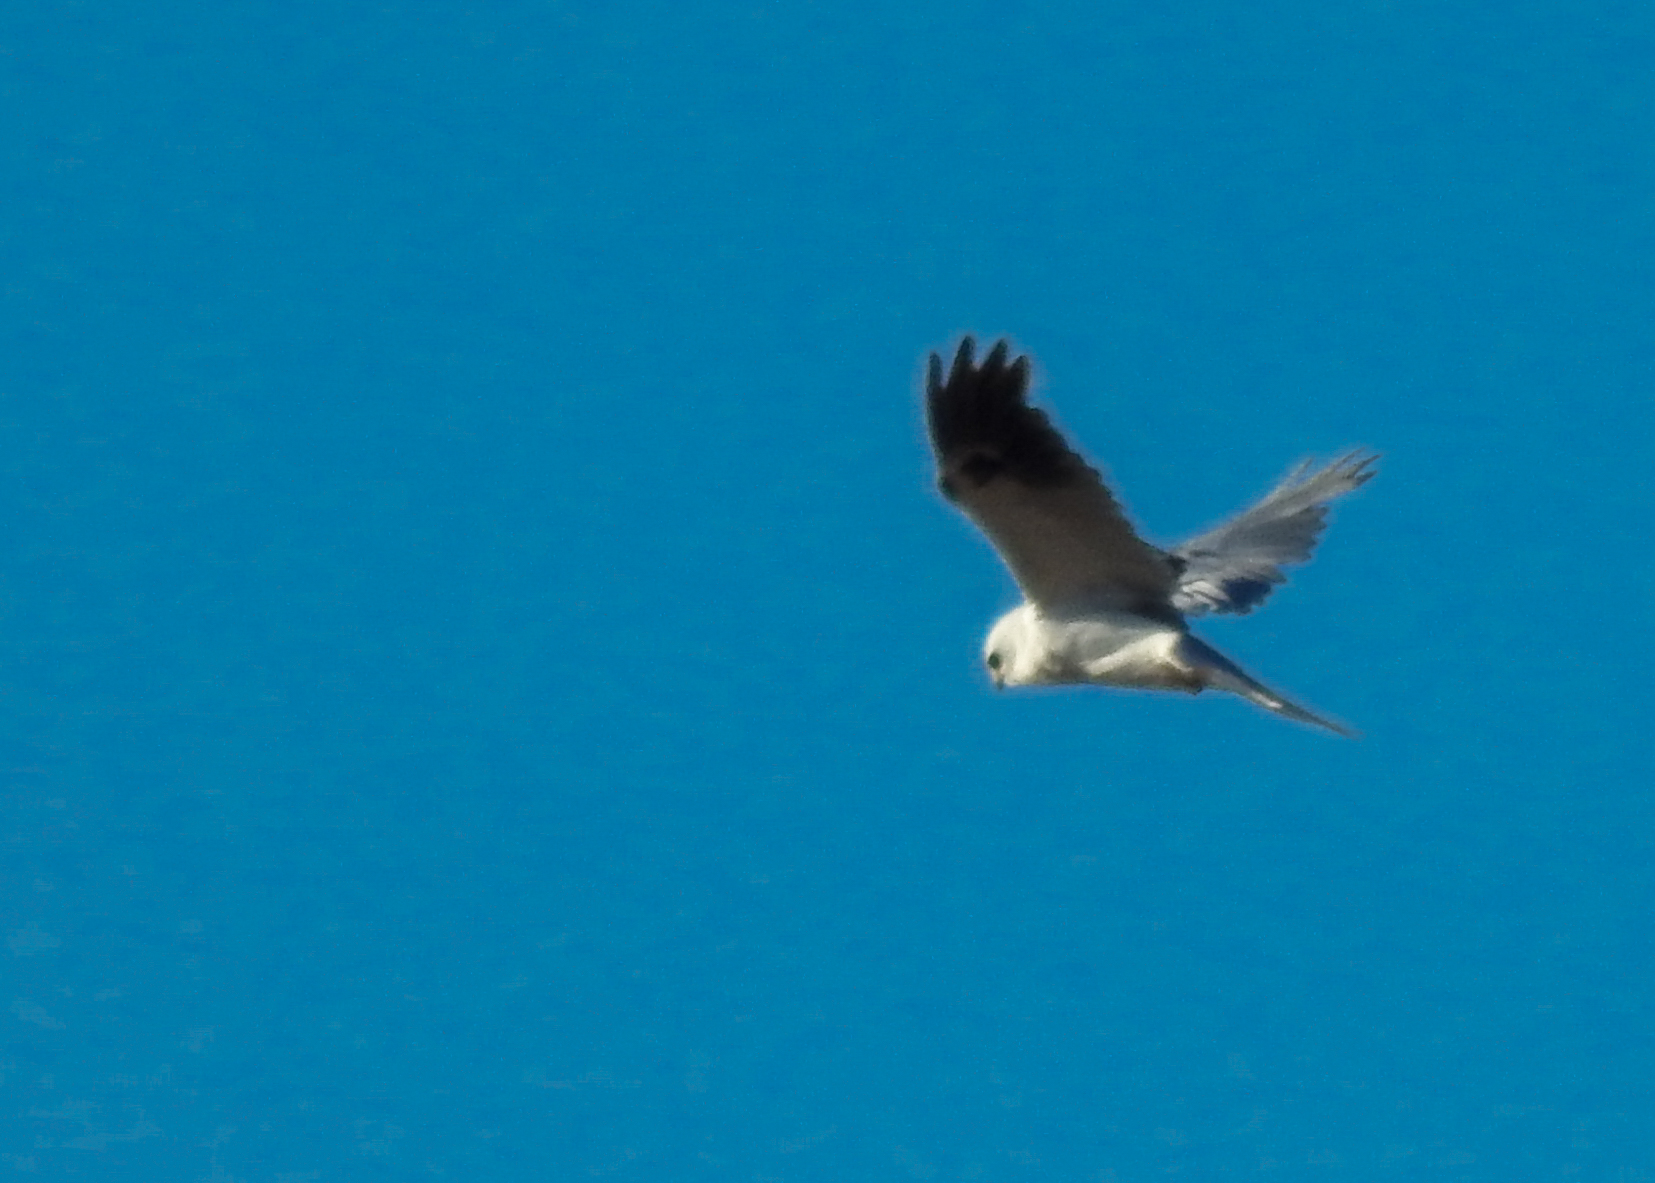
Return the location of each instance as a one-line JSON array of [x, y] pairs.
[[1101, 605]]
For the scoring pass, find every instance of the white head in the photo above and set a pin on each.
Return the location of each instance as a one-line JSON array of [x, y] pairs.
[[1011, 651]]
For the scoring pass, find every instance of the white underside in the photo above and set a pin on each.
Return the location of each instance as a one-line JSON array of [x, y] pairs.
[[1115, 649], [1149, 661]]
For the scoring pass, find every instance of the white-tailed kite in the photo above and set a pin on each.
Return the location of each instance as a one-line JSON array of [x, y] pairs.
[[1102, 605]]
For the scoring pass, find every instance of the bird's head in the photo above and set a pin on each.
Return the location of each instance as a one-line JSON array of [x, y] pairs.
[[1008, 643]]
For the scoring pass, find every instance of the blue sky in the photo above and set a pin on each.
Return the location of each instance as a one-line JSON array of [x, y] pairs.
[[490, 693]]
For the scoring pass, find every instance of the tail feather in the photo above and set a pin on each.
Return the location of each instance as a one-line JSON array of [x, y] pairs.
[[1221, 673]]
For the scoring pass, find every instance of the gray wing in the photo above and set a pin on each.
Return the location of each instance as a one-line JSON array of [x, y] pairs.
[[1233, 567], [1044, 508]]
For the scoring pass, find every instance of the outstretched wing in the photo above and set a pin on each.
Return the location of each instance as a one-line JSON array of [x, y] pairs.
[[1233, 567], [1047, 512]]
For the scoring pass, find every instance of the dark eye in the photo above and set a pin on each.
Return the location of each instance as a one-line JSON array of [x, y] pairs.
[[993, 661]]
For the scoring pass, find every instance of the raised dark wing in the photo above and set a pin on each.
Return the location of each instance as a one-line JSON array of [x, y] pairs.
[[1045, 509], [1233, 567]]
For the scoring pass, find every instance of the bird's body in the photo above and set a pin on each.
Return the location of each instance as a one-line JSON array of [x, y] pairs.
[[1102, 605], [1112, 648]]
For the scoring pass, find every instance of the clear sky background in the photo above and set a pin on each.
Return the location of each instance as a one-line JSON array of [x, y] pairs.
[[487, 690]]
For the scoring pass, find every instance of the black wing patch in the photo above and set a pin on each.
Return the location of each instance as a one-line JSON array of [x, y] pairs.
[[983, 428]]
